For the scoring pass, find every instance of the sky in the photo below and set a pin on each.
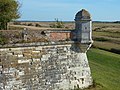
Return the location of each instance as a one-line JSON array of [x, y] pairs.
[[65, 10]]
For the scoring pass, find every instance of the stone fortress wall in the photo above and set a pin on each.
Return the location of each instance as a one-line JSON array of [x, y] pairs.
[[49, 60]]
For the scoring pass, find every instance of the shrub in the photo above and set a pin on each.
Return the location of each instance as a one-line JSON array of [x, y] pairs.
[[3, 39], [57, 24], [101, 39], [17, 23], [38, 25], [30, 24]]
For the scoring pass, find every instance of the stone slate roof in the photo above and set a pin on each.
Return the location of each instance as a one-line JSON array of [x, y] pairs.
[[82, 15]]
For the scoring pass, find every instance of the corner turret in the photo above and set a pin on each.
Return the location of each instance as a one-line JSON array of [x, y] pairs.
[[83, 26]]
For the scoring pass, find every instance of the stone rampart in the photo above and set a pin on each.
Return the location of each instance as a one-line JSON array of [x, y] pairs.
[[52, 67], [47, 59]]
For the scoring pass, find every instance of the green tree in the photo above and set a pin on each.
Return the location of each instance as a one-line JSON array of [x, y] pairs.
[[8, 12]]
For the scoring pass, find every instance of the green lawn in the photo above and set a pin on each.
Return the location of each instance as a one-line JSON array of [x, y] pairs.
[[105, 67]]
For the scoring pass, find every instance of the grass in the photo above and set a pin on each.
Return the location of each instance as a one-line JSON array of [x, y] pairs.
[[15, 28], [105, 67], [106, 36], [106, 45]]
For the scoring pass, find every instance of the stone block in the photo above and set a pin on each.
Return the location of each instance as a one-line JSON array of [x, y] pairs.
[[21, 73], [20, 55], [23, 61], [38, 48], [35, 51]]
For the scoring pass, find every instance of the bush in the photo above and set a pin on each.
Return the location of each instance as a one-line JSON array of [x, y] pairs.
[[30, 24], [17, 23], [101, 39], [38, 25], [3, 39], [57, 24]]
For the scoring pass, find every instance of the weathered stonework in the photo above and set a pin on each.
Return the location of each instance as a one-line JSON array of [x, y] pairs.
[[57, 64], [44, 67]]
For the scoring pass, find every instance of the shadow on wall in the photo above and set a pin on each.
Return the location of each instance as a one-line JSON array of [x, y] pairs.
[[75, 48]]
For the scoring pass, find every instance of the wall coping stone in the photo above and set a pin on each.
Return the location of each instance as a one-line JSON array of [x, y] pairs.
[[35, 44]]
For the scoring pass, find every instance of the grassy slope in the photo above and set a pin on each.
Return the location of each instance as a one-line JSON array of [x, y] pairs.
[[105, 67]]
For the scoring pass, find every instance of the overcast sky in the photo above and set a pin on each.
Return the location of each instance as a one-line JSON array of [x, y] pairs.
[[65, 10]]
